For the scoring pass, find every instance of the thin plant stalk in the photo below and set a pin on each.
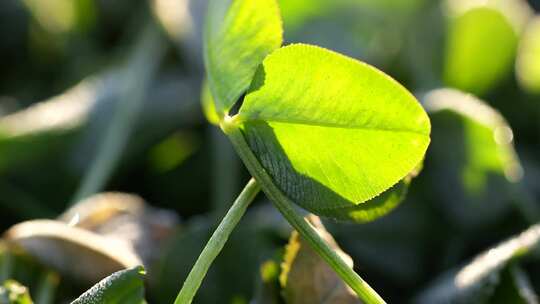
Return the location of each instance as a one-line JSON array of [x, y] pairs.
[[216, 243], [141, 67], [285, 206]]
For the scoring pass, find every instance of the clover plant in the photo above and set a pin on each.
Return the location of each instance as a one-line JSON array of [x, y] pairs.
[[315, 129]]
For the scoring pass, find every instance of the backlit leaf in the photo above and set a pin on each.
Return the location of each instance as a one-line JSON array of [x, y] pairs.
[[239, 34], [332, 132], [208, 104]]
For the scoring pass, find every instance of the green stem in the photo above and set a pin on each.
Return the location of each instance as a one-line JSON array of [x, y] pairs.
[[284, 205], [216, 243], [306, 230]]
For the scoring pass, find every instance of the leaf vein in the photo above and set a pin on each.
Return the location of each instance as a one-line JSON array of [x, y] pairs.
[[328, 125]]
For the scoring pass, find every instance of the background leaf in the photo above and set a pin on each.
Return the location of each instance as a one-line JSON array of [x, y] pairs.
[[11, 292], [260, 233], [38, 130], [527, 64], [480, 47], [268, 290], [41, 282], [476, 281], [125, 286], [170, 160], [514, 287], [306, 278], [60, 246], [482, 167]]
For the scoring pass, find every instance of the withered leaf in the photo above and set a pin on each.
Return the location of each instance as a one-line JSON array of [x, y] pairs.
[[306, 278]]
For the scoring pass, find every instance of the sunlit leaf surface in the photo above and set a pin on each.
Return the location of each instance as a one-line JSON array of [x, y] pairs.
[[208, 104], [332, 132], [239, 34]]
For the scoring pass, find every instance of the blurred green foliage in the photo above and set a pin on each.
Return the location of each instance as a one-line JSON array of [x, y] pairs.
[[464, 202], [467, 64]]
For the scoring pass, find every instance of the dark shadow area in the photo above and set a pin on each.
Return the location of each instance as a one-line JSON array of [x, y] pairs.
[[306, 191], [253, 242], [446, 162]]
